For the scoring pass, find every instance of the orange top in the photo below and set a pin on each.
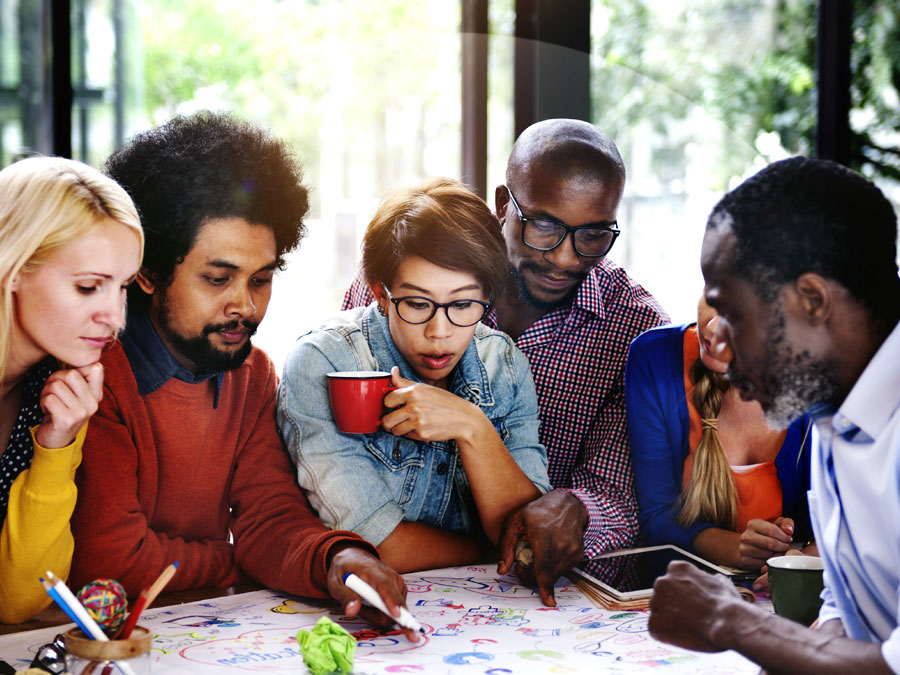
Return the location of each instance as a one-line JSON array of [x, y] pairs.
[[758, 487]]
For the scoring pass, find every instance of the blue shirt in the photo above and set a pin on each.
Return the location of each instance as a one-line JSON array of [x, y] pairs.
[[854, 502], [151, 361], [369, 483]]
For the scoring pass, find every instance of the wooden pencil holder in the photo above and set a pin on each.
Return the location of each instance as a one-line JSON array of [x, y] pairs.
[[131, 656]]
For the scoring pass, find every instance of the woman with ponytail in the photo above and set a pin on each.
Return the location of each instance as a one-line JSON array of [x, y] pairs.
[[712, 477]]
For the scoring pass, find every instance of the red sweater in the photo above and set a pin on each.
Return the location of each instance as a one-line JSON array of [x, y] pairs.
[[166, 477]]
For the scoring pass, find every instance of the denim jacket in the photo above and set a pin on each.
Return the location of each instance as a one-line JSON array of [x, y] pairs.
[[369, 483]]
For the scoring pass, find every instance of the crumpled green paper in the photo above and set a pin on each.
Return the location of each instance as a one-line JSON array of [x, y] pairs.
[[327, 647]]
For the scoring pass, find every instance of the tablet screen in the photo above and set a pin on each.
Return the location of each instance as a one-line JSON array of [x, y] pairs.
[[631, 573]]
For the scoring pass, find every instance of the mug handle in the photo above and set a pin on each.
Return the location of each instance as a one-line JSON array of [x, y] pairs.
[[387, 390]]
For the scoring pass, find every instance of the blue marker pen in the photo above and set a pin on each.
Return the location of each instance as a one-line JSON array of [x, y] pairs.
[[370, 595]]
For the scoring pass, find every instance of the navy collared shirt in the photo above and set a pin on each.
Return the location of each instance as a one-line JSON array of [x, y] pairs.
[[151, 362]]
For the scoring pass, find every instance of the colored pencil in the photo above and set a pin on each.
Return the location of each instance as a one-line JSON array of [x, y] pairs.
[[144, 599], [161, 582], [85, 621], [133, 616], [51, 591]]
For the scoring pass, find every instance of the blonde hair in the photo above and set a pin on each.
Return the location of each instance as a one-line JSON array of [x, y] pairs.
[[710, 494], [46, 203]]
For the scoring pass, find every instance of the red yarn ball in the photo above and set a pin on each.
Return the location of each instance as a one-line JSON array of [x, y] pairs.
[[106, 602]]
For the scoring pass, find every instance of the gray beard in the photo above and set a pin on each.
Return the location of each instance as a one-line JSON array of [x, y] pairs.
[[799, 390]]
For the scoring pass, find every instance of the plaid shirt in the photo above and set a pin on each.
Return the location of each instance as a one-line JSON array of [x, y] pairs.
[[577, 354]]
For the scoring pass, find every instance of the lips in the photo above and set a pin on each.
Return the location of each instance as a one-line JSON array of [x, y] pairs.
[[437, 361], [554, 283], [97, 342], [233, 336]]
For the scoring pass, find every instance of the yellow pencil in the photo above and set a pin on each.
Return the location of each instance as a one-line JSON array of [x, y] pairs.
[[160, 583]]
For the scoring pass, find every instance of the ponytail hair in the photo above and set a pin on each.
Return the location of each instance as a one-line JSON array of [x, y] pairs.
[[710, 494]]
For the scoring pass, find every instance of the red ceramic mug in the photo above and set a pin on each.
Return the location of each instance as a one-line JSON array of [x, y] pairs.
[[357, 399]]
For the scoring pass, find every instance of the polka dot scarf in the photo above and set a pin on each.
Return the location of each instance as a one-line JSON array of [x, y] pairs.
[[20, 449]]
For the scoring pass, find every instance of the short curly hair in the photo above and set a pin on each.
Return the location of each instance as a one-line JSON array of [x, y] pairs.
[[803, 215], [207, 166]]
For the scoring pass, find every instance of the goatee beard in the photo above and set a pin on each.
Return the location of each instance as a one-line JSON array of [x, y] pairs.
[[528, 298]]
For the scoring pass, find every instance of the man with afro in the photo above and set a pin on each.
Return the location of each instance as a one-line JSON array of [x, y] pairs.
[[183, 460]]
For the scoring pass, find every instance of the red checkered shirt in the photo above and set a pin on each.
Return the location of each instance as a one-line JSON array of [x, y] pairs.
[[577, 354]]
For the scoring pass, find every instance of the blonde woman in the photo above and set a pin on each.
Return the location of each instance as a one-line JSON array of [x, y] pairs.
[[70, 244], [711, 476]]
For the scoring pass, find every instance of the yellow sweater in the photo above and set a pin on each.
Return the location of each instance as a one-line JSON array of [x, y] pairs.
[[36, 535]]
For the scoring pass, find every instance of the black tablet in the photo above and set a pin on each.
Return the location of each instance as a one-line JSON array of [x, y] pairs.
[[629, 574]]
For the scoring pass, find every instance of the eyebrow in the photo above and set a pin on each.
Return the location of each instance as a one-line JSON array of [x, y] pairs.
[[225, 264], [469, 287], [543, 215], [92, 274]]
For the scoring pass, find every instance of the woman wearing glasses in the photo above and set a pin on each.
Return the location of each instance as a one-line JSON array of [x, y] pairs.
[[458, 449]]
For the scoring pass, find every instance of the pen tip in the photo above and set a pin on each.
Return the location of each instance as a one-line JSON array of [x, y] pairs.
[[347, 574], [175, 564]]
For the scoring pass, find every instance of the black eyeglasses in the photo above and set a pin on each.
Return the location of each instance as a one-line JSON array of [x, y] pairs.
[[51, 657], [542, 234], [416, 309]]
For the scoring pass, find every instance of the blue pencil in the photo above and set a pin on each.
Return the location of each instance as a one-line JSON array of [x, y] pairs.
[[52, 592]]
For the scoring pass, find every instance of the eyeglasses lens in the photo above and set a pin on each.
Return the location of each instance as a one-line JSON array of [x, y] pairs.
[[51, 657], [589, 241], [461, 313]]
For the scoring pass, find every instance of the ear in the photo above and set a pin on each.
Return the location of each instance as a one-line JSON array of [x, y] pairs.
[[501, 201], [816, 297], [380, 296], [145, 281], [14, 283], [378, 291]]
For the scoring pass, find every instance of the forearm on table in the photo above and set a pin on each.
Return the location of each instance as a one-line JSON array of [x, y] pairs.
[[498, 484], [718, 545], [783, 646], [415, 546]]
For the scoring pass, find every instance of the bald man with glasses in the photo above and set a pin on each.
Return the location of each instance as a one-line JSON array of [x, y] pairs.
[[573, 313]]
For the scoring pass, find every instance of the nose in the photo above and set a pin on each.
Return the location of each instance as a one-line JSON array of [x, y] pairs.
[[439, 325], [564, 256], [720, 346], [241, 302], [112, 313]]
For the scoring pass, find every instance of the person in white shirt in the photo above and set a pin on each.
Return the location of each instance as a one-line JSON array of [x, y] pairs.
[[800, 263]]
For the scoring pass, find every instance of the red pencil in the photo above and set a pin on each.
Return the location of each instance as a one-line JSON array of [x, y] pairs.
[[134, 615], [146, 596]]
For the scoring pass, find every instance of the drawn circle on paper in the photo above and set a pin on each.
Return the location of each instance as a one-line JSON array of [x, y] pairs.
[[481, 641], [638, 625], [497, 671], [467, 658], [407, 668]]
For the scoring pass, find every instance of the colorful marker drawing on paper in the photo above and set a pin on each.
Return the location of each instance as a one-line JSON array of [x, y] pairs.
[[476, 623]]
